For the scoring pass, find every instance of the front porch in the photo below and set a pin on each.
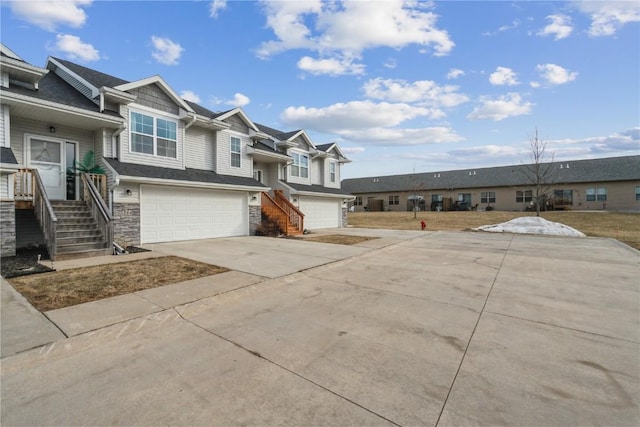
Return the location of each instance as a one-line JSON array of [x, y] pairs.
[[67, 228]]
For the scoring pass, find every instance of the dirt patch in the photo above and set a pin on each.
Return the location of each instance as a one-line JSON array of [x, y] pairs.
[[59, 289], [24, 263], [338, 239]]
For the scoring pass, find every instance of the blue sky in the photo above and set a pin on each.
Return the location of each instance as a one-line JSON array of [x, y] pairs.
[[399, 85]]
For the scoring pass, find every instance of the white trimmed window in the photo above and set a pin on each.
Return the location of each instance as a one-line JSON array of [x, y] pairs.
[[153, 135], [236, 153], [300, 167], [487, 197], [332, 172]]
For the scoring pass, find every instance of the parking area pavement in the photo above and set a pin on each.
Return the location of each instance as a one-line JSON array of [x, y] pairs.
[[444, 328]]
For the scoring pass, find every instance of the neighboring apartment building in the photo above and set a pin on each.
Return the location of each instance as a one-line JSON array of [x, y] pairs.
[[611, 184], [174, 170]]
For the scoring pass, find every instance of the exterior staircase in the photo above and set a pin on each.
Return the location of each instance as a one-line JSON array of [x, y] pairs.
[[281, 211], [77, 233]]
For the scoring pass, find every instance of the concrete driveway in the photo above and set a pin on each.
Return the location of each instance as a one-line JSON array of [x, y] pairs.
[[420, 329]]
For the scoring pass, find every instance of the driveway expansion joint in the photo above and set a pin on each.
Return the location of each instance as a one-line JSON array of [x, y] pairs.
[[302, 377]]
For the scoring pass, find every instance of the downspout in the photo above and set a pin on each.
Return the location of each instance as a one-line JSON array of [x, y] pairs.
[[117, 133], [184, 139]]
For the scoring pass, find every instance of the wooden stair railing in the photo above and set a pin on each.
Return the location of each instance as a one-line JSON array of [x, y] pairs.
[[277, 214], [296, 217]]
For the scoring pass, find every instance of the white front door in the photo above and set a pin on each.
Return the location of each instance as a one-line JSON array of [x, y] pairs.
[[48, 157]]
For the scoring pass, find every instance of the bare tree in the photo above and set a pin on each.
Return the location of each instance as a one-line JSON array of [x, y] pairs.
[[415, 187], [539, 172]]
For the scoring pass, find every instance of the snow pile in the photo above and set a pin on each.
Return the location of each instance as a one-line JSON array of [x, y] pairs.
[[532, 225]]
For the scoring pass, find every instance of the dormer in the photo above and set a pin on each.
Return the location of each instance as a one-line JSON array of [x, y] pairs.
[[16, 71]]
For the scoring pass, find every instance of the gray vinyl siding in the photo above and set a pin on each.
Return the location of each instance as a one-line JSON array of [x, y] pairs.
[[127, 156], [3, 140], [223, 148], [152, 96], [103, 143], [237, 124], [316, 171], [4, 187], [200, 148], [21, 126], [4, 79]]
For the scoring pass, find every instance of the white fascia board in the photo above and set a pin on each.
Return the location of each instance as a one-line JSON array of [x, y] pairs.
[[244, 117], [306, 137], [160, 81], [327, 195], [94, 90], [9, 167], [9, 53], [117, 95], [27, 72], [194, 184], [14, 97], [283, 157]]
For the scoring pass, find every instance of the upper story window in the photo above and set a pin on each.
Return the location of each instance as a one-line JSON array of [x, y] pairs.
[[332, 172], [153, 135], [235, 152], [300, 167]]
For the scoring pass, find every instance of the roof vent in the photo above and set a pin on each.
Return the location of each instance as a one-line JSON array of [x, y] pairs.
[[436, 175]]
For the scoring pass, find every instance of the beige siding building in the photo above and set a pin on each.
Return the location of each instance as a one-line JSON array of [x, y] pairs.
[[611, 184]]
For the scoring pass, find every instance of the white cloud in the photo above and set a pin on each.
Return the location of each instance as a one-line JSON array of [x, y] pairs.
[[454, 73], [515, 24], [190, 95], [555, 74], [351, 115], [50, 14], [352, 150], [75, 49], [505, 106], [216, 6], [608, 17], [534, 84], [239, 100], [330, 66], [503, 76], [621, 143], [402, 136], [391, 63], [328, 27], [166, 52], [423, 92], [560, 27]]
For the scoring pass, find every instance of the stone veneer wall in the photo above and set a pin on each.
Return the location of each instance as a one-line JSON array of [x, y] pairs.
[[255, 218], [7, 228], [345, 217], [126, 227]]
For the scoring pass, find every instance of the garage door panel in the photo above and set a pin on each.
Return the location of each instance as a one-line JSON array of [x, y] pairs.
[[321, 213], [172, 214]]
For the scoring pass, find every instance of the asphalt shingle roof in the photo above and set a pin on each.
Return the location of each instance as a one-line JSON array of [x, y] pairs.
[[324, 147], [317, 189], [7, 156], [592, 170], [53, 88], [192, 175], [96, 78]]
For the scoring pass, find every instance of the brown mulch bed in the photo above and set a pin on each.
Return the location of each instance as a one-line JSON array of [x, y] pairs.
[[24, 263], [339, 239]]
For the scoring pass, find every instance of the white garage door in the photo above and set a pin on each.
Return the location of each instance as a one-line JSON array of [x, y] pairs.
[[321, 213], [174, 213]]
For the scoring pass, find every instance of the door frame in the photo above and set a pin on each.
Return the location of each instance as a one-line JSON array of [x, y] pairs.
[[63, 160]]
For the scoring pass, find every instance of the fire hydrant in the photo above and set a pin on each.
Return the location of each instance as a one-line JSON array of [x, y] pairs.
[[423, 225]]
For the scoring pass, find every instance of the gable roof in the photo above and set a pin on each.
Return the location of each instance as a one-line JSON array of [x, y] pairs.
[[93, 77], [318, 189], [159, 81], [573, 171]]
